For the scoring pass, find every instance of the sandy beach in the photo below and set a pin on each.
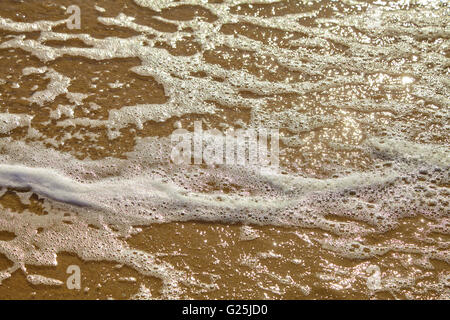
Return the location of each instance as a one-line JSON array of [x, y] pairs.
[[343, 195]]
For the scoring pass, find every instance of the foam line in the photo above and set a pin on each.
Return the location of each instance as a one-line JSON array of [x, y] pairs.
[[45, 182]]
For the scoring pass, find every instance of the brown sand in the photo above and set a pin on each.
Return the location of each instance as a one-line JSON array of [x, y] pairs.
[[282, 263]]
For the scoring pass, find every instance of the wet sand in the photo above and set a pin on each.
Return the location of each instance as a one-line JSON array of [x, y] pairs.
[[238, 260], [244, 262], [278, 265]]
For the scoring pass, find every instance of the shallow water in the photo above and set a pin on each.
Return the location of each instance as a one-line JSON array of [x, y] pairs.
[[356, 207]]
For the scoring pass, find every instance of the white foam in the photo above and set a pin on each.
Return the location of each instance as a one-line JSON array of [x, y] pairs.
[[338, 69], [9, 121], [37, 280]]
